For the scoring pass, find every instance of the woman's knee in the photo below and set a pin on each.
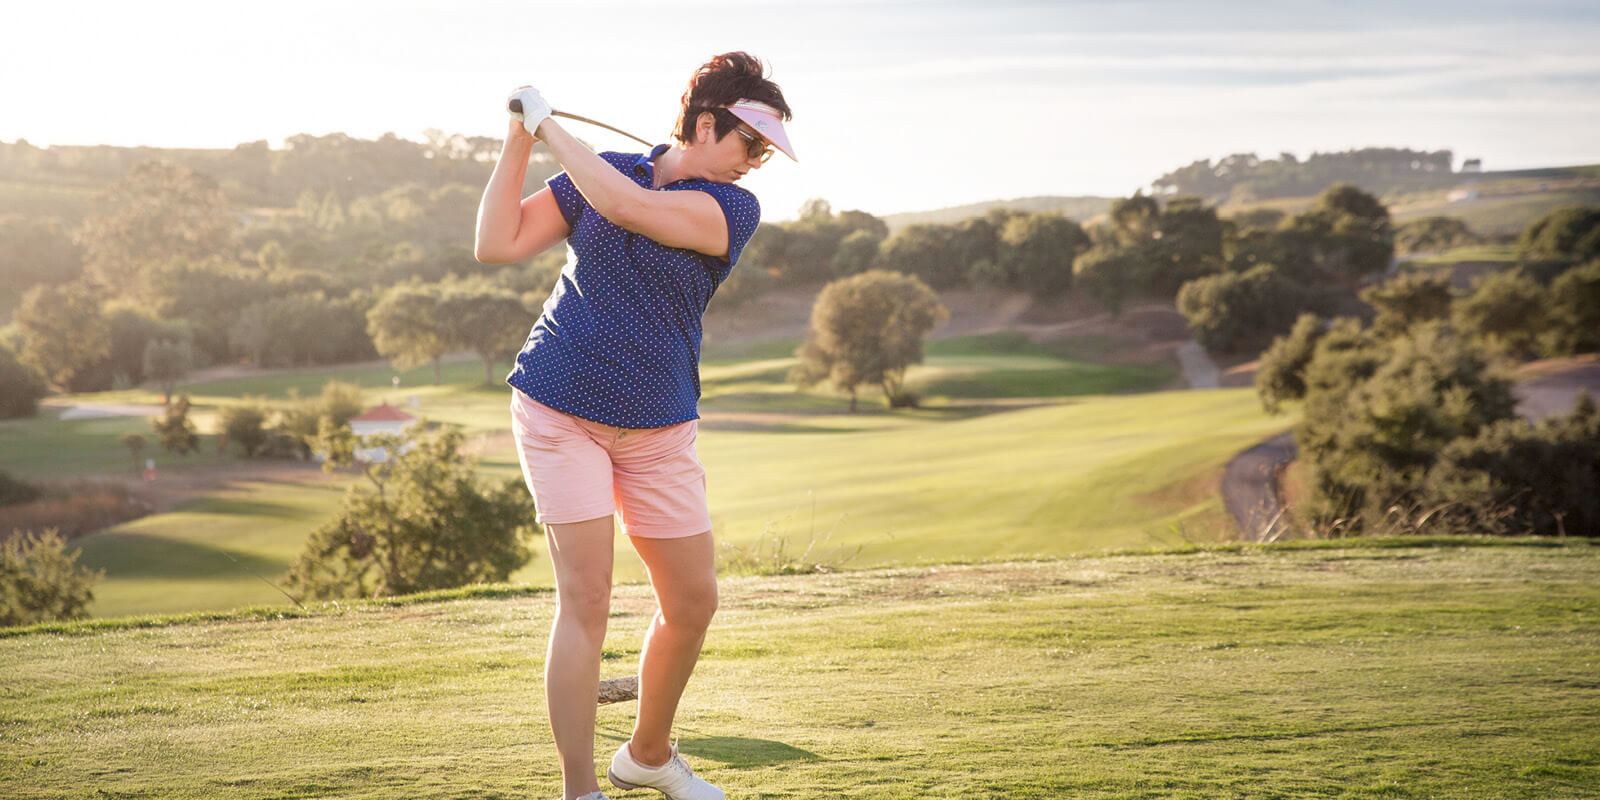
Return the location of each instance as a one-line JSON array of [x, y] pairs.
[[690, 606], [587, 602]]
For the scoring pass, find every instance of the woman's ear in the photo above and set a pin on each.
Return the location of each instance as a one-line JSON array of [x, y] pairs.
[[705, 127]]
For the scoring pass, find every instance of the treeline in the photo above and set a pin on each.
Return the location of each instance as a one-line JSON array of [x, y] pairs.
[[1243, 177], [165, 277], [254, 175]]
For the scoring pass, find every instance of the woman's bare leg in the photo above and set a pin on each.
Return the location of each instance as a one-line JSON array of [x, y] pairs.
[[582, 555], [683, 574]]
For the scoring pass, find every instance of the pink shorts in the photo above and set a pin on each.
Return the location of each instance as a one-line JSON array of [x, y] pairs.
[[578, 469]]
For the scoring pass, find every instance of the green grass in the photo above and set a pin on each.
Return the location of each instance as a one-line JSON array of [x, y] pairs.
[[1336, 670], [1013, 454], [1502, 215]]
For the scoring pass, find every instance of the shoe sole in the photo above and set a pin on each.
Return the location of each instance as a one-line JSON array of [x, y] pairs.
[[620, 783]]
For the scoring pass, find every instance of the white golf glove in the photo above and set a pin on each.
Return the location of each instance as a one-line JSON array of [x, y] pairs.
[[535, 109]]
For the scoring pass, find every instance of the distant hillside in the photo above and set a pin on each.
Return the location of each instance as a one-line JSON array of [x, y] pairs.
[[1081, 208]]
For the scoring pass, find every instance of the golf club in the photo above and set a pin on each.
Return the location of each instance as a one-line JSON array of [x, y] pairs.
[[516, 107]]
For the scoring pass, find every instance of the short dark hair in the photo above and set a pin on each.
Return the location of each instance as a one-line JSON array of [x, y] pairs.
[[724, 80]]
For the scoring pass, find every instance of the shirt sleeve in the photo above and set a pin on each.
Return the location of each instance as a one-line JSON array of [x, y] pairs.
[[568, 198], [741, 210]]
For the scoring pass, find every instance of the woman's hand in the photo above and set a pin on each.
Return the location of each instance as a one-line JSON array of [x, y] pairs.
[[535, 109]]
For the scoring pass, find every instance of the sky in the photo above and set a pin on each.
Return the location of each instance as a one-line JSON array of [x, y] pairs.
[[899, 106]]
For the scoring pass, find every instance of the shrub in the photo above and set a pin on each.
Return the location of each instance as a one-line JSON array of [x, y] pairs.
[[1369, 441], [174, 429], [426, 524], [1407, 301], [1241, 312], [41, 582], [1573, 312], [1515, 477], [1281, 374], [1507, 312], [245, 424], [14, 490], [21, 386], [1570, 233]]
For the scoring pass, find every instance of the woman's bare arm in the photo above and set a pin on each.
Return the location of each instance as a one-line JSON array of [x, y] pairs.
[[691, 220], [511, 228]]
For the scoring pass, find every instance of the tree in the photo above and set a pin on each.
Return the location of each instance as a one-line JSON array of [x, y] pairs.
[[1349, 234], [21, 386], [245, 424], [132, 326], [167, 361], [1188, 246], [406, 328], [135, 444], [41, 582], [856, 254], [158, 212], [424, 524], [1281, 374], [924, 251], [303, 419], [868, 328], [1377, 417], [489, 321], [37, 250], [1036, 252], [1574, 312], [1108, 274], [1507, 311], [1241, 312], [1569, 233], [1408, 301], [63, 331], [173, 428], [1135, 220], [1432, 234]]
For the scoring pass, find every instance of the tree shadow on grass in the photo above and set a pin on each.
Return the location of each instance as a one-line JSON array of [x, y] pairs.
[[140, 555]]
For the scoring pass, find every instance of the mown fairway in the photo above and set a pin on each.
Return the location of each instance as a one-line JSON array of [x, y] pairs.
[[1393, 669], [964, 477]]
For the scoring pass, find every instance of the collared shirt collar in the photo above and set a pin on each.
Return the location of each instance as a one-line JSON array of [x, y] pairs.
[[646, 162]]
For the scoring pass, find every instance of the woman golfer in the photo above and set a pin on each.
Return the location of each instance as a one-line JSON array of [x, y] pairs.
[[604, 410]]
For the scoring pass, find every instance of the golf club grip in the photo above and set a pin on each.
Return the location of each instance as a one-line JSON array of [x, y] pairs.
[[516, 108]]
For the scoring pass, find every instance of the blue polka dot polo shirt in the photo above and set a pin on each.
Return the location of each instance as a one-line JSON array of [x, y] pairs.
[[618, 341]]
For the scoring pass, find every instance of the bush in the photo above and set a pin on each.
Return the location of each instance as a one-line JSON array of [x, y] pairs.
[[174, 429], [245, 424], [40, 581], [1515, 477], [1506, 311], [13, 490], [1407, 301], [1570, 233], [1281, 374], [21, 386], [1370, 441], [1573, 312], [425, 525], [1241, 312]]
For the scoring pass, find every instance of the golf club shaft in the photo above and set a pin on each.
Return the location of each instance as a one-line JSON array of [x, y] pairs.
[[516, 106]]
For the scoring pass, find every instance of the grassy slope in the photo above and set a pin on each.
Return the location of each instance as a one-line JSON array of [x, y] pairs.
[[1318, 670], [957, 479]]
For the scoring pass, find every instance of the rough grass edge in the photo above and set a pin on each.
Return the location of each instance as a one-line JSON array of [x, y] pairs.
[[496, 591]]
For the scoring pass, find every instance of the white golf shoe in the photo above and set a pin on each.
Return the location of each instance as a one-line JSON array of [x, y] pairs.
[[675, 779]]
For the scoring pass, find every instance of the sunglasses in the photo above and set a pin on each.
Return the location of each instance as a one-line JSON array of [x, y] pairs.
[[755, 146]]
